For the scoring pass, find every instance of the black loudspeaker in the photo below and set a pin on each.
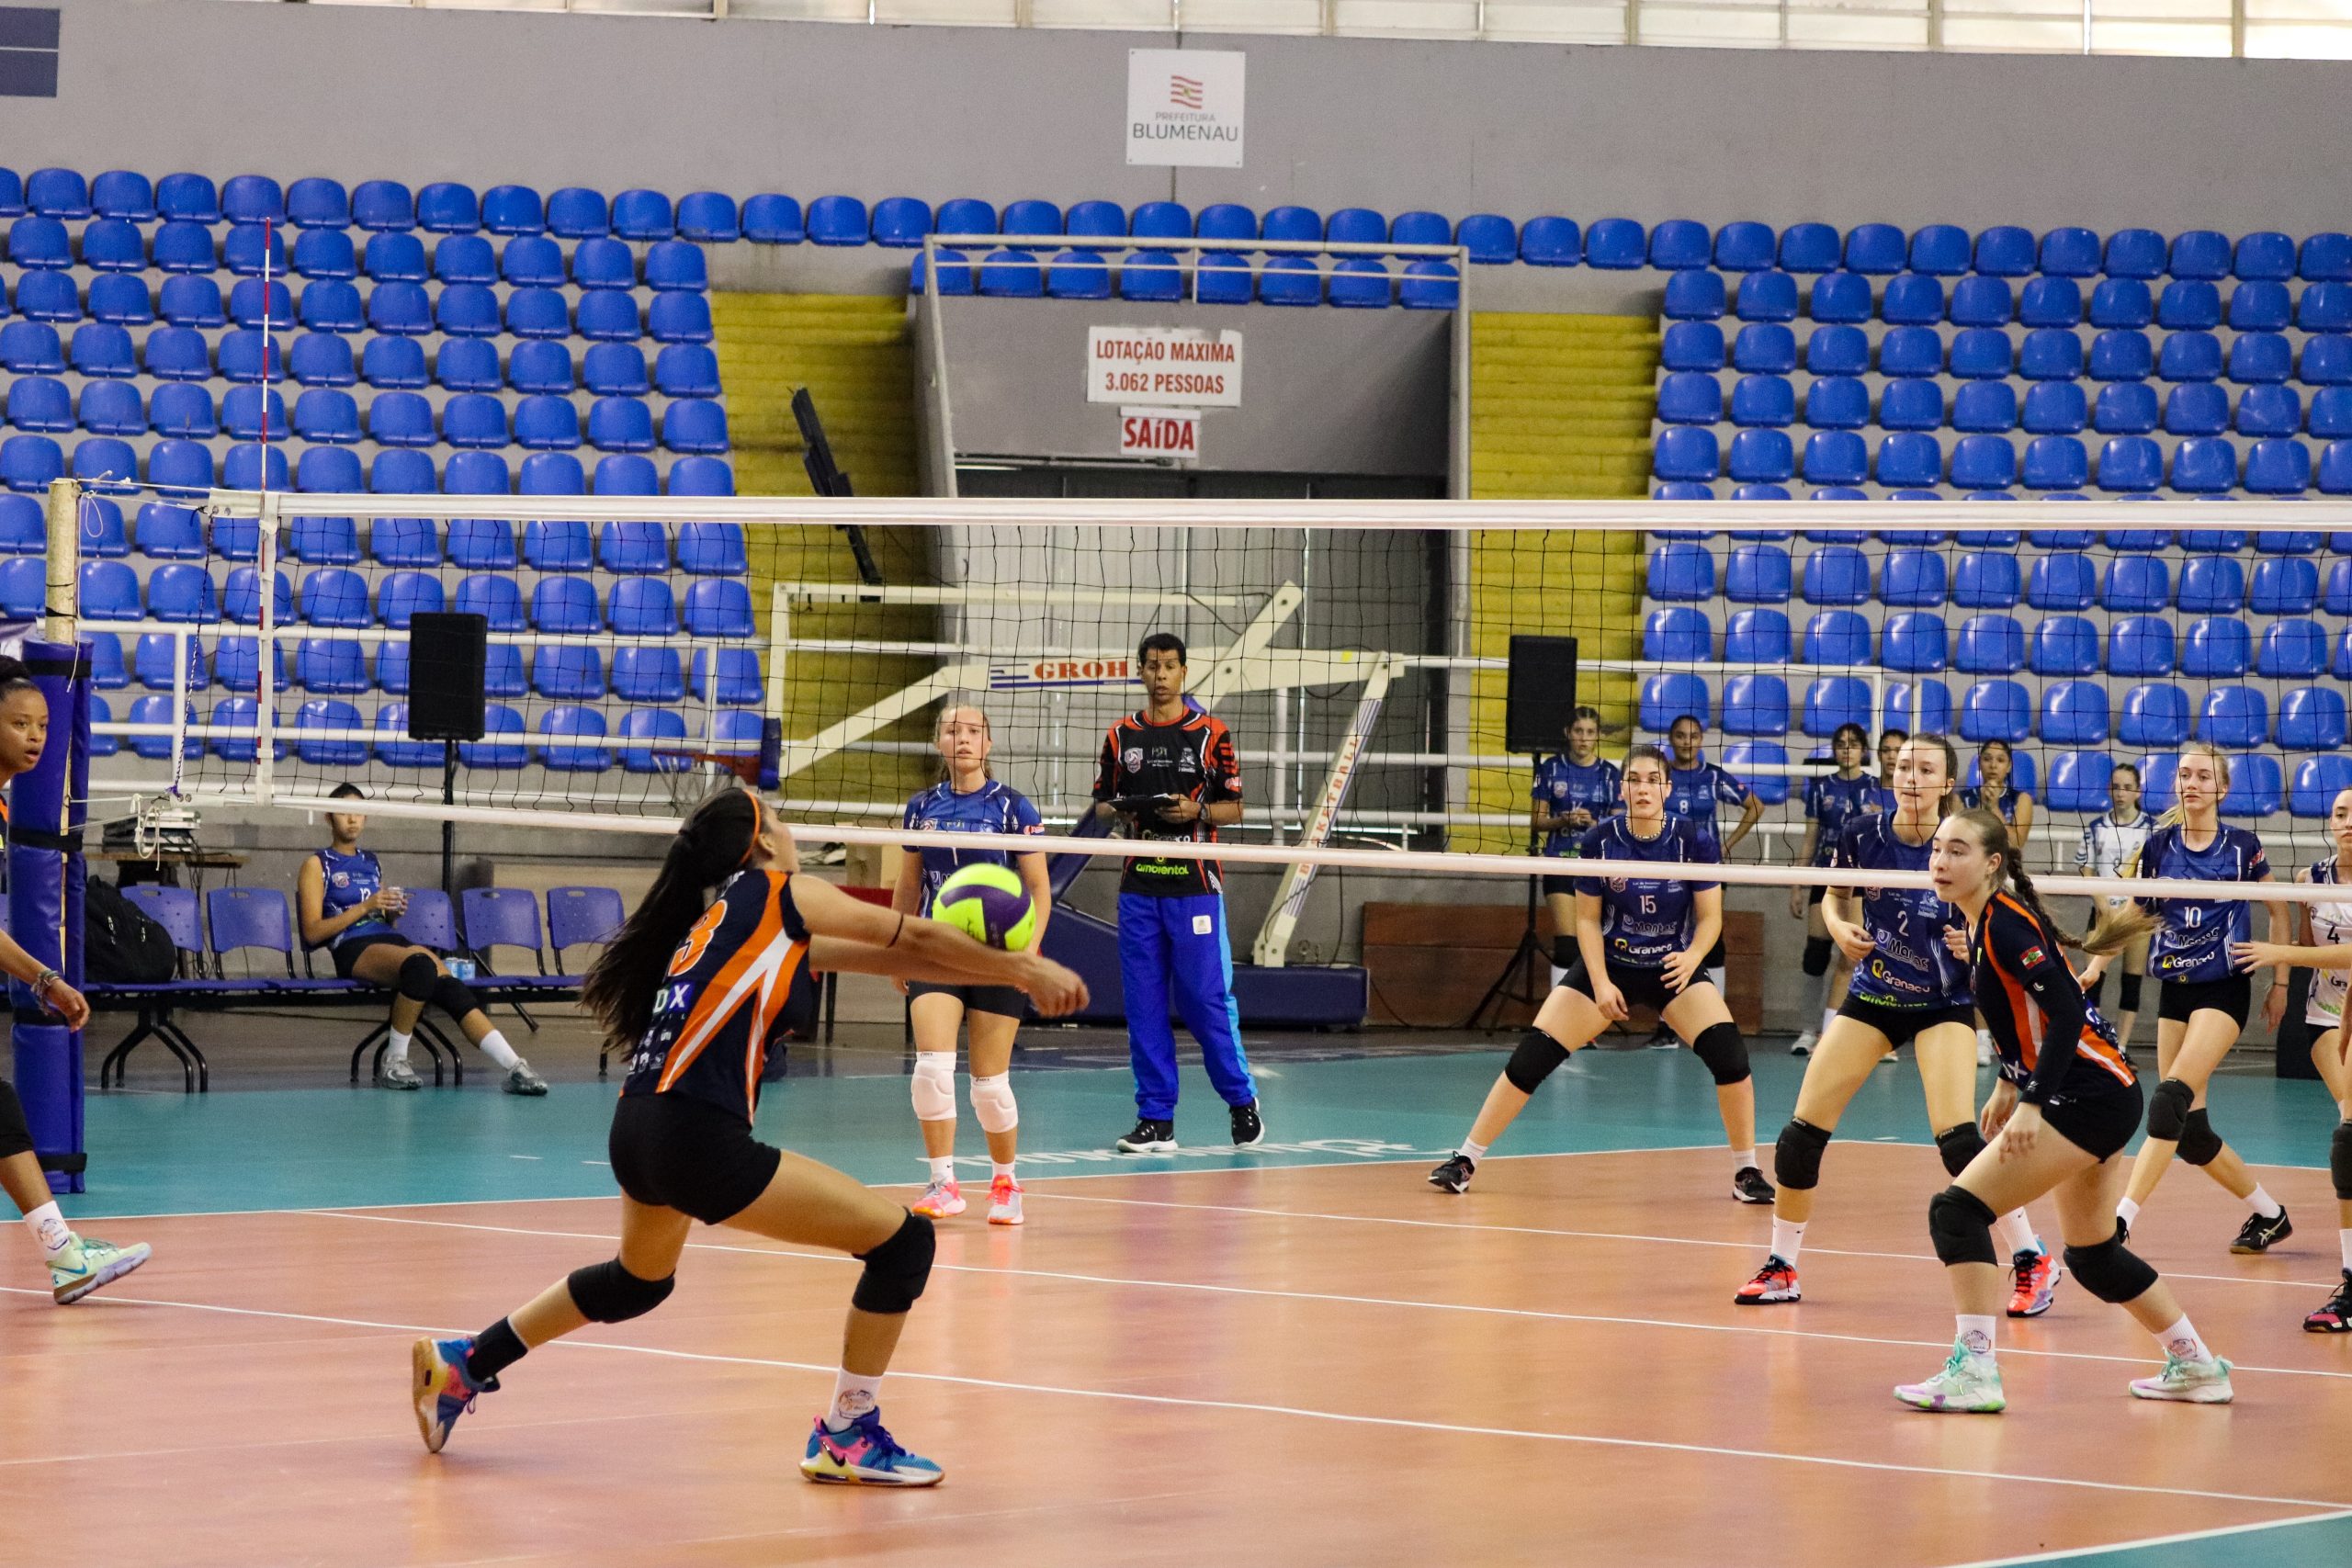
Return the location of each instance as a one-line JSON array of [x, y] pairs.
[[1541, 692], [445, 656]]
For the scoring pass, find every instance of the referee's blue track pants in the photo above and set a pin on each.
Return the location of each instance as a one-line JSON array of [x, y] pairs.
[[1178, 945]]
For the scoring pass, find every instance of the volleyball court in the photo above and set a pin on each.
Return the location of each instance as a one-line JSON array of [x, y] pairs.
[[1159, 1349]]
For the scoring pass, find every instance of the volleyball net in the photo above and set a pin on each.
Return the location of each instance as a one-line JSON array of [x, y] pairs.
[[645, 649]]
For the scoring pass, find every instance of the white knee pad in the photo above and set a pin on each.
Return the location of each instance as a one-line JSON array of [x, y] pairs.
[[992, 1103], [934, 1086]]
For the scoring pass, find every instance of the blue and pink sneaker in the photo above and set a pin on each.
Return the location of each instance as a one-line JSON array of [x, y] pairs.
[[863, 1454], [442, 1388]]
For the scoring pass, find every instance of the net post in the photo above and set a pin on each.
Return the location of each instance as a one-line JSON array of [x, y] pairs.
[[63, 600]]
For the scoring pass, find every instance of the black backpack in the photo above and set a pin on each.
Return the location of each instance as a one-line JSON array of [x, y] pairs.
[[120, 946]]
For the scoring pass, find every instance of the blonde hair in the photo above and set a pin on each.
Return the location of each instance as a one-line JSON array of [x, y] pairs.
[[2174, 815], [956, 704], [2119, 928]]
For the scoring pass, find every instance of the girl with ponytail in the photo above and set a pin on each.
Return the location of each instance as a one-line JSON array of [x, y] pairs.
[[701, 992], [2206, 994], [1908, 989], [2065, 1103]]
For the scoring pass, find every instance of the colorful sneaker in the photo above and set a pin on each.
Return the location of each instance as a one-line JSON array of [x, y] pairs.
[[1969, 1385], [1454, 1176], [1774, 1283], [521, 1080], [1249, 1127], [863, 1454], [397, 1075], [1803, 1043], [2258, 1235], [1005, 1201], [2335, 1317], [2187, 1383], [2038, 1274], [441, 1388], [1149, 1137], [942, 1200], [1748, 1186], [88, 1263]]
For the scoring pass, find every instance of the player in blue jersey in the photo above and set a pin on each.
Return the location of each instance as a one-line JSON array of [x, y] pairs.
[[967, 800], [2205, 996], [1831, 800], [1574, 792], [701, 992], [1695, 791], [1908, 988], [1890, 747], [1641, 941], [1996, 791], [344, 906]]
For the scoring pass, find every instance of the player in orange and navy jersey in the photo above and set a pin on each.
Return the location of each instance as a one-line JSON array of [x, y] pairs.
[[702, 996], [2065, 1105]]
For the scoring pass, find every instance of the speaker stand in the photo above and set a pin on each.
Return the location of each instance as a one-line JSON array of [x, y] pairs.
[[448, 826], [1527, 975]]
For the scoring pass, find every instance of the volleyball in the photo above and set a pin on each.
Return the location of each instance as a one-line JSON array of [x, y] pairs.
[[989, 904]]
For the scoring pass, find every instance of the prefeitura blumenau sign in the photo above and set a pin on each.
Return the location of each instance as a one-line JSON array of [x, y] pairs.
[[1184, 106]]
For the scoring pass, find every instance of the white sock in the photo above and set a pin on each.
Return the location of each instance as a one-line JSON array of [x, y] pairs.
[[1741, 1159], [2127, 1210], [941, 1169], [49, 1228], [1001, 1169], [2183, 1340], [397, 1051], [854, 1395], [1787, 1239], [1976, 1334], [2263, 1204], [2017, 1232], [494, 1046], [1477, 1152], [1828, 1017], [2345, 1236]]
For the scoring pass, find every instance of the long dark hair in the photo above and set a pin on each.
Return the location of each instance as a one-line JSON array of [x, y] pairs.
[[14, 675], [712, 846], [1950, 797]]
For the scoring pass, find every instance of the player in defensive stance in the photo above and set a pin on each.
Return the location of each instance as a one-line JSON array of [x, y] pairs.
[[701, 995], [1831, 800], [2327, 950], [1643, 940], [1907, 988], [77, 1264], [2065, 1104]]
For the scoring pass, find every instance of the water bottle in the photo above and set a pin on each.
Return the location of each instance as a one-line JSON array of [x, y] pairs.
[[461, 968]]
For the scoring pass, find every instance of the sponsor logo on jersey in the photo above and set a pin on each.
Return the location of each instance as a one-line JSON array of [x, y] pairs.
[[1132, 758], [2030, 957]]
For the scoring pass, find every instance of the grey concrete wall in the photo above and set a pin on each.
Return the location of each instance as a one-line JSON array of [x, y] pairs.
[[1323, 391], [1519, 129]]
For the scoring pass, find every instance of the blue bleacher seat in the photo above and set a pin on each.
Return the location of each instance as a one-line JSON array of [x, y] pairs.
[[319, 414], [401, 308], [2318, 781], [40, 403], [2078, 781], [1875, 248], [547, 422], [832, 220], [321, 359], [2278, 468], [565, 604], [1838, 637], [394, 258], [2260, 358], [1988, 580], [328, 713], [1912, 404], [446, 207], [2051, 353], [1757, 574], [620, 425], [2060, 582], [2189, 357], [186, 196], [2074, 712], [2282, 586], [324, 541], [717, 607], [250, 252], [1941, 249], [39, 243], [1983, 463], [1834, 701], [2136, 253], [1982, 302], [1995, 710], [393, 364], [1910, 458], [1757, 637], [1986, 408], [2126, 408], [1913, 642], [1990, 645], [1689, 397], [2260, 308], [123, 193], [1763, 403], [164, 532], [2311, 719], [2118, 355], [122, 300], [2204, 466], [2130, 463], [1687, 453], [1765, 348], [1756, 704], [1841, 299], [180, 467], [1911, 351], [2050, 304], [1678, 635], [2235, 717], [465, 258], [1837, 574], [1667, 697], [614, 370], [468, 364], [626, 475], [2219, 646], [2136, 582], [109, 591], [50, 296], [400, 419], [512, 210], [1766, 296], [2188, 305], [1911, 300], [2056, 462], [1839, 402], [2004, 251], [2269, 409], [111, 244], [1360, 283], [2064, 645], [107, 464], [1837, 351], [1835, 458], [1694, 296], [1809, 247], [2293, 649], [1761, 457], [2324, 307], [1979, 354], [1682, 572], [29, 462]]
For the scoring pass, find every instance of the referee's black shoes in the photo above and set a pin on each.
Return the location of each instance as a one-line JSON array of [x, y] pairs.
[[1248, 1128], [1149, 1137]]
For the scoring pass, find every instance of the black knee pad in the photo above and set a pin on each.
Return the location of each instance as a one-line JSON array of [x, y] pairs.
[[1816, 956], [2126, 993], [1563, 953], [2199, 1145], [607, 1292], [2095, 992], [2111, 1271], [1725, 1051], [1537, 1058], [2168, 1109], [897, 1270], [418, 975], [1796, 1158], [2339, 1161], [16, 1135], [1958, 1145], [454, 997], [1961, 1224]]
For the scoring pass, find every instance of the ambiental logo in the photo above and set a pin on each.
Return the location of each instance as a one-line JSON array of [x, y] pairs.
[[1184, 92]]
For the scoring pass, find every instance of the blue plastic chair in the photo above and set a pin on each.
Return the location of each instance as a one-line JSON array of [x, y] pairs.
[[330, 713]]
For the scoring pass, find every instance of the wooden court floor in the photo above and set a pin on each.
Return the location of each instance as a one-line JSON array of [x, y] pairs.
[[1305, 1366]]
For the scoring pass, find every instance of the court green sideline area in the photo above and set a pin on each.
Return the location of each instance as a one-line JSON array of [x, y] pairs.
[[328, 1147]]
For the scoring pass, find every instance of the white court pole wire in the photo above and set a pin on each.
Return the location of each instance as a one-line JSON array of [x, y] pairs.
[[1396, 862], [1632, 515]]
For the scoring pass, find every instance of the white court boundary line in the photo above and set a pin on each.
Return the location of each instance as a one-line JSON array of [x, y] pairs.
[[2329, 1508], [2220, 1531], [1332, 1298]]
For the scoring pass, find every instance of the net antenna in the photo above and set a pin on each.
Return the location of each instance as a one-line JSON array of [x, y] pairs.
[[826, 478]]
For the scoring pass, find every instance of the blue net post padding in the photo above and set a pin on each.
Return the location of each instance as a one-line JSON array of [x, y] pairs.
[[46, 808]]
